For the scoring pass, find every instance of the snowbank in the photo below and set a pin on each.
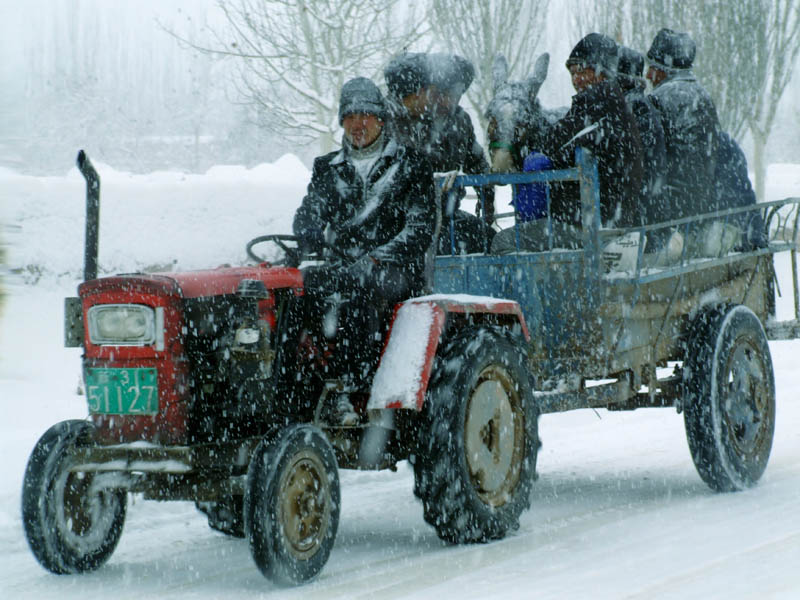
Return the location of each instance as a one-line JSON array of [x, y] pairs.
[[168, 220], [163, 220]]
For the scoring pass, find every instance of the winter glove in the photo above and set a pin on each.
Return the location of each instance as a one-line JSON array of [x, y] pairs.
[[361, 269], [448, 179]]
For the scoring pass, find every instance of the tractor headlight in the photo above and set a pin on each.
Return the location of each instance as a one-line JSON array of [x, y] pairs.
[[122, 324]]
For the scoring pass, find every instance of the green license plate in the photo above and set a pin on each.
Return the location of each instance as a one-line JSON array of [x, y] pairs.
[[122, 391]]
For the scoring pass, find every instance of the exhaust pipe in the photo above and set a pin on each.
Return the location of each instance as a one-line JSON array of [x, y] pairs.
[[92, 236]]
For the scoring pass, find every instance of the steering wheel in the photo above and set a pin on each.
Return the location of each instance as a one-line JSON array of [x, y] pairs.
[[293, 256]]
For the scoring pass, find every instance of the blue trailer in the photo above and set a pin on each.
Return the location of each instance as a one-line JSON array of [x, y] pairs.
[[689, 333]]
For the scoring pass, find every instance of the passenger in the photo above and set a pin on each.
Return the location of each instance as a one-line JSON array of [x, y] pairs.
[[630, 76], [691, 127], [600, 120], [424, 90], [733, 189], [373, 201]]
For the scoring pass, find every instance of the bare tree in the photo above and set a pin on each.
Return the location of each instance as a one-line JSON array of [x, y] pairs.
[[745, 55], [294, 56], [775, 55], [724, 64], [129, 104], [481, 29]]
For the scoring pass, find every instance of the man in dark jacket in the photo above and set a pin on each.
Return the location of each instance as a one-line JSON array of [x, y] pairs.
[[734, 190], [599, 120], [424, 90], [690, 124], [733, 183], [630, 76], [372, 205]]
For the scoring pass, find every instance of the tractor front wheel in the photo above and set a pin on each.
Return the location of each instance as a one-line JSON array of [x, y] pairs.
[[291, 504], [72, 524]]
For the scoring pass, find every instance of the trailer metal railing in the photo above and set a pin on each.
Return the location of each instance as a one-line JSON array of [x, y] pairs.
[[777, 222]]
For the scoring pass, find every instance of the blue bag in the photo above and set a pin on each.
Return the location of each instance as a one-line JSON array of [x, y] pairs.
[[531, 198]]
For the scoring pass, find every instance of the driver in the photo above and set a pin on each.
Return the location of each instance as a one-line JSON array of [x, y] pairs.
[[370, 208]]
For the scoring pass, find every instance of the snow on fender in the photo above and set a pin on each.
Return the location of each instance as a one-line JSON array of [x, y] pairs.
[[405, 367]]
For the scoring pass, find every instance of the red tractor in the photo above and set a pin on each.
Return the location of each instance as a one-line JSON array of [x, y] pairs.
[[186, 378]]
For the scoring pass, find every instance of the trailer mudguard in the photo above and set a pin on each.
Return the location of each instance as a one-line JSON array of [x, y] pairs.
[[415, 334]]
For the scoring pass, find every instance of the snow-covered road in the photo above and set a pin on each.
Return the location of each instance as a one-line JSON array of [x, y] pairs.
[[618, 511]]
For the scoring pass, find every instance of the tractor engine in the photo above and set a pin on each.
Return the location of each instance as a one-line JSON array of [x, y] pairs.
[[180, 358], [228, 344]]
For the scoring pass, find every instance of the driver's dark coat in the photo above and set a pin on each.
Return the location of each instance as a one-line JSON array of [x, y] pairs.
[[391, 216]]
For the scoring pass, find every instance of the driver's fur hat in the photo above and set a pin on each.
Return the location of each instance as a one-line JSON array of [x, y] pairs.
[[361, 95]]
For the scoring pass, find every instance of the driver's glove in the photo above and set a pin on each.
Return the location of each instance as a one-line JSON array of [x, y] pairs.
[[361, 270], [311, 240], [448, 180]]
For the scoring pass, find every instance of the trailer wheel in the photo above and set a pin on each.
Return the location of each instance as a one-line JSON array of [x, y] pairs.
[[729, 399], [225, 516], [478, 442], [291, 504], [70, 527]]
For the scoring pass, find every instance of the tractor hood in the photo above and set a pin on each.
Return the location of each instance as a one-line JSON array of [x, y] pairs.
[[196, 284]]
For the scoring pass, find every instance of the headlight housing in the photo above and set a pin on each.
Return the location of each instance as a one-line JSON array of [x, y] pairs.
[[122, 325]]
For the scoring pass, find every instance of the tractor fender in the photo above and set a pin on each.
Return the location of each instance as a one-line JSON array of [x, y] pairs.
[[416, 331]]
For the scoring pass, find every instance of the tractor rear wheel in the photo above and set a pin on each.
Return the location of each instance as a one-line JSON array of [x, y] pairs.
[[291, 504], [478, 444], [729, 398]]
